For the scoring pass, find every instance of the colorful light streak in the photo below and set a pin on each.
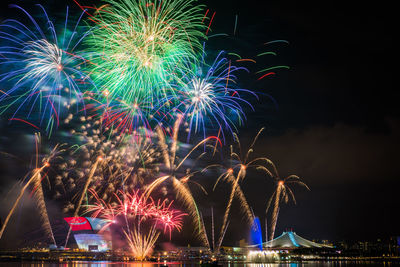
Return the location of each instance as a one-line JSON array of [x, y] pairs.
[[42, 69]]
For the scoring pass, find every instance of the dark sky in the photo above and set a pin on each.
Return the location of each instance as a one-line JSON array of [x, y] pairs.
[[336, 124]]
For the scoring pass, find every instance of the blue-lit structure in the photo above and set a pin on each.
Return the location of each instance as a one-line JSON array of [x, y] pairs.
[[255, 234], [91, 242], [98, 224]]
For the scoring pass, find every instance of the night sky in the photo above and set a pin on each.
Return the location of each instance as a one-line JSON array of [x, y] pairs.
[[337, 121], [334, 117]]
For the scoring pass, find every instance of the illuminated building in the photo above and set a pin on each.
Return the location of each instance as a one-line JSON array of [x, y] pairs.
[[290, 240], [87, 233]]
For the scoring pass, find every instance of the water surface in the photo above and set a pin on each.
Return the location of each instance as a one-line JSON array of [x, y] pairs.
[[178, 264]]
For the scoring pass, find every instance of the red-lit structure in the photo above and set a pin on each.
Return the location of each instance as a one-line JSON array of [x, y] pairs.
[[78, 223]]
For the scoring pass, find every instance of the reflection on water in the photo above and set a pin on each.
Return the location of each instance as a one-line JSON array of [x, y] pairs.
[[175, 264]]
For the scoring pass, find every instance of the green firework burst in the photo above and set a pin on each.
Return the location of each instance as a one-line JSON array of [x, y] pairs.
[[137, 46]]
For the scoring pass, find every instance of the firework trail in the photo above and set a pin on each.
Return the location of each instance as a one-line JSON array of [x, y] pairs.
[[282, 193], [139, 206], [207, 242], [88, 181], [212, 227], [41, 204], [137, 209], [33, 178], [207, 95], [213, 247], [236, 191], [271, 70], [42, 69], [127, 118], [180, 185], [36, 181], [128, 161], [138, 44], [141, 244], [242, 162], [106, 161], [38, 188]]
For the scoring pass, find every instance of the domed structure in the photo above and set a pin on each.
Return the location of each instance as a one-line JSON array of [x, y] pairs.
[[290, 240]]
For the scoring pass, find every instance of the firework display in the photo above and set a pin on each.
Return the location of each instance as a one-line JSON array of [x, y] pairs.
[[36, 180], [282, 193], [42, 67], [138, 45], [207, 96], [237, 173], [117, 95]]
